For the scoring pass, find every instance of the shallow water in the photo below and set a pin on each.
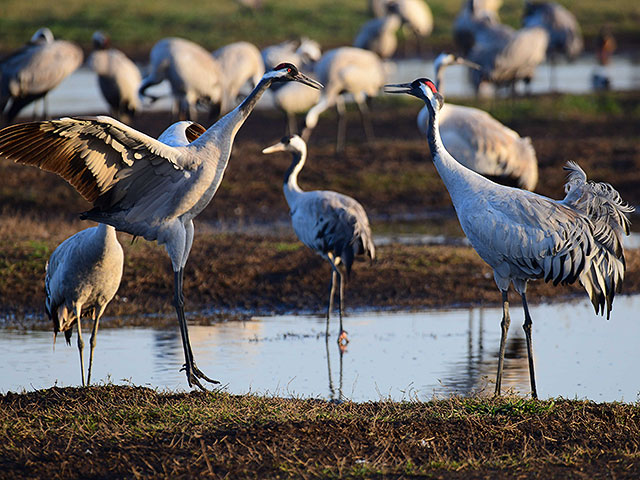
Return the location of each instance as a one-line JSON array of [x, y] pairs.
[[79, 93], [391, 355]]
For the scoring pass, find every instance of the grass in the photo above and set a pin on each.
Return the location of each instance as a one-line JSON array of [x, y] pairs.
[[130, 431], [136, 26]]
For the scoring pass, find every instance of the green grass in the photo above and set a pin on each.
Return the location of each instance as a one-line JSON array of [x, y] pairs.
[[136, 26]]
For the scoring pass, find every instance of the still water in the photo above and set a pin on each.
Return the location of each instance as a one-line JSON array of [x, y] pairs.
[[391, 355]]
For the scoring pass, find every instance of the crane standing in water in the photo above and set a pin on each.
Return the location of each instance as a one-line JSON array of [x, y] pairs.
[[331, 224], [525, 236], [138, 184]]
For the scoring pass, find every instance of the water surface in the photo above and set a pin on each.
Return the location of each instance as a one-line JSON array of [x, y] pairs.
[[391, 355]]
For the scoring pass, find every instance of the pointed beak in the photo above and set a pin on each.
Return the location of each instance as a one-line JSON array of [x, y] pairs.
[[302, 78], [464, 61], [398, 88], [278, 147]]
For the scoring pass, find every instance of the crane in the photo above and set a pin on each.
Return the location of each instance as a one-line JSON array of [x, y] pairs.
[[34, 70], [138, 184], [195, 76], [240, 62], [84, 271], [479, 141], [302, 53], [379, 34], [346, 70], [524, 236], [477, 17], [331, 224], [416, 16], [118, 77]]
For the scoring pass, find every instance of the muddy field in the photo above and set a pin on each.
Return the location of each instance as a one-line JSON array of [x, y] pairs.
[[245, 257]]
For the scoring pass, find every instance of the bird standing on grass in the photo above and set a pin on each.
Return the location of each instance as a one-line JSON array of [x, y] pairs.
[[525, 236], [138, 184], [331, 224]]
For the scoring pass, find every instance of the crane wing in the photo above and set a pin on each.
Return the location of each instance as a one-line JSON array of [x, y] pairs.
[[101, 157]]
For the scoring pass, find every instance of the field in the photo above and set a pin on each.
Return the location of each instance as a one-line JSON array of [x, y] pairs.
[[136, 26]]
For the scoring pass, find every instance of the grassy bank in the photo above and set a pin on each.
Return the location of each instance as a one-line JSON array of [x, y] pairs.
[[118, 432], [136, 26]]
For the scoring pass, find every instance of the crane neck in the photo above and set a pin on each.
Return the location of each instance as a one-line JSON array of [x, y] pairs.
[[291, 187], [106, 232]]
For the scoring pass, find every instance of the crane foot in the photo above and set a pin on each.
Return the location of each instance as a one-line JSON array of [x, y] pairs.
[[194, 374]]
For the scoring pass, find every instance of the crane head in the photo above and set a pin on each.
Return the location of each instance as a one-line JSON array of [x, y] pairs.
[[290, 143], [100, 40], [422, 88], [286, 72], [446, 59]]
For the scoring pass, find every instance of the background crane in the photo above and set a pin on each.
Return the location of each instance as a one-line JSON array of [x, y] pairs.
[[138, 184], [525, 236], [331, 224]]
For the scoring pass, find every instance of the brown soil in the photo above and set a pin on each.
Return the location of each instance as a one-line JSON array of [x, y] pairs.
[[269, 271]]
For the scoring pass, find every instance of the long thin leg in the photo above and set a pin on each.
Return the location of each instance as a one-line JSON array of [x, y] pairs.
[[527, 333], [332, 293], [331, 389], [80, 342], [506, 321], [342, 125], [365, 116], [342, 336], [93, 341], [292, 126]]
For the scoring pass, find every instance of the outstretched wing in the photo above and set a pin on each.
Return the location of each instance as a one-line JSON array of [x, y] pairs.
[[99, 156]]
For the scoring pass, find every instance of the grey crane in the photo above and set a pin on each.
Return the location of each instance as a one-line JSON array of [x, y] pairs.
[[83, 273], [416, 16], [477, 17], [379, 34], [195, 76], [348, 70], [525, 236], [506, 60], [331, 224], [34, 70], [118, 77], [479, 141], [302, 52], [294, 98], [138, 184], [240, 63]]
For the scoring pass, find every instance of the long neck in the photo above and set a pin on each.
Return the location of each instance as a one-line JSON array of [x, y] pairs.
[[232, 121], [440, 79], [291, 187], [106, 233]]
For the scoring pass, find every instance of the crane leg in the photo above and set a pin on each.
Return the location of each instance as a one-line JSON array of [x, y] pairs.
[[291, 123], [342, 125], [527, 332], [80, 343], [332, 293], [365, 116], [506, 320], [343, 340], [93, 341], [332, 391], [192, 371]]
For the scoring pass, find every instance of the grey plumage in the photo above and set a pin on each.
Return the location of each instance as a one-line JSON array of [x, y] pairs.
[[118, 78], [194, 75], [525, 236], [565, 35], [331, 224], [479, 141], [302, 52], [138, 184], [34, 70], [478, 18], [379, 34], [83, 274], [348, 70]]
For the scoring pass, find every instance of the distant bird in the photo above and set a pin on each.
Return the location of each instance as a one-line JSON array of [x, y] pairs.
[[565, 35], [302, 52], [505, 61], [138, 184], [118, 77], [380, 34], [477, 17], [415, 14], [294, 98], [479, 141], [606, 45], [331, 224], [240, 63], [83, 274], [195, 76], [346, 70], [525, 236], [84, 271], [34, 70]]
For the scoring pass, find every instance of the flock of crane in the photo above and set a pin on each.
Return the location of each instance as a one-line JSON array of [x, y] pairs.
[[154, 188]]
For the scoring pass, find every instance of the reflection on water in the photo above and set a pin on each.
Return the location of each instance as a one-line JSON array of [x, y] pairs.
[[391, 355]]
